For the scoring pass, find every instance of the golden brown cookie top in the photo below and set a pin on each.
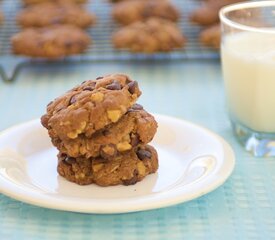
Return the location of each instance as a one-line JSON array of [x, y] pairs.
[[50, 42], [149, 36], [90, 106], [130, 11], [48, 13]]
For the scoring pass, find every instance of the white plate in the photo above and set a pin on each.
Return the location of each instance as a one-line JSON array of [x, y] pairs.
[[192, 162]]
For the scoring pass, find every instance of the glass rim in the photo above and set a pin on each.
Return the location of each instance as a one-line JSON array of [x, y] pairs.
[[244, 5]]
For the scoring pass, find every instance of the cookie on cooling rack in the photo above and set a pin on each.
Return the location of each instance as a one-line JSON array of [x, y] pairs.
[[115, 1], [126, 169], [208, 13], [1, 17], [29, 2], [46, 14], [50, 42], [130, 11], [149, 36], [211, 36]]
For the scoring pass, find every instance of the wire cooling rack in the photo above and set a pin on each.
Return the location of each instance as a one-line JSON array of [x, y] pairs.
[[101, 49]]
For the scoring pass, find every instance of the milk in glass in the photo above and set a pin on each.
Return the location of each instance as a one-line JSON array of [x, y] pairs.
[[249, 73]]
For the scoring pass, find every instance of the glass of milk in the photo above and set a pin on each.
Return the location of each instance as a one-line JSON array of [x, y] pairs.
[[248, 61]]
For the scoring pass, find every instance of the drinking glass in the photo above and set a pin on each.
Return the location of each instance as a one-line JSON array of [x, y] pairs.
[[248, 62]]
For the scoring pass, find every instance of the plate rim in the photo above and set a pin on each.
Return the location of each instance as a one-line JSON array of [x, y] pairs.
[[11, 190]]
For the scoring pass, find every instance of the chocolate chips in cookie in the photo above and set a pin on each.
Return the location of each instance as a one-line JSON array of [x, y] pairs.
[[89, 107], [101, 132], [126, 169], [136, 127]]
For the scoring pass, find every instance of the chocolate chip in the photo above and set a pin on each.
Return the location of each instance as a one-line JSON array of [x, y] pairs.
[[68, 44], [137, 106], [132, 87], [91, 85], [142, 154], [63, 155], [72, 100], [70, 160], [105, 132], [99, 78], [45, 121], [88, 89], [134, 140], [132, 180], [115, 85], [83, 82], [49, 103]]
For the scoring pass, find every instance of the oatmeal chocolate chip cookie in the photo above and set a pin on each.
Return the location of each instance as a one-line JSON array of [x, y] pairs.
[[149, 36], [136, 127], [127, 12], [90, 106], [211, 36], [46, 14], [29, 2], [126, 169], [50, 42], [208, 13]]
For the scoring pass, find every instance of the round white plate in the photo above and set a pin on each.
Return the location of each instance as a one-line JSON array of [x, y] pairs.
[[192, 161]]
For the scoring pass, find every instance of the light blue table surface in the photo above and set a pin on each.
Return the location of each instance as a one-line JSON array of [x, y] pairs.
[[242, 208]]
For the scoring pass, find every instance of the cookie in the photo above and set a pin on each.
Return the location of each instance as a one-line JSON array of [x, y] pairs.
[[116, 1], [46, 14], [29, 2], [211, 36], [136, 127], [127, 12], [91, 106], [1, 18], [50, 42], [126, 169], [208, 13], [149, 36]]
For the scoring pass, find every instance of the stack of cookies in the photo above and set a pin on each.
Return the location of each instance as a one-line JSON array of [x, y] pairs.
[[101, 133], [149, 26], [52, 29]]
